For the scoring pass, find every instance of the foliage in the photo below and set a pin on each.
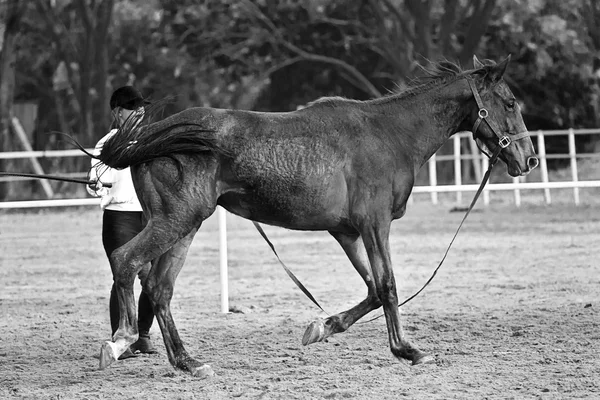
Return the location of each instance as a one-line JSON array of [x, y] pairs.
[[553, 59]]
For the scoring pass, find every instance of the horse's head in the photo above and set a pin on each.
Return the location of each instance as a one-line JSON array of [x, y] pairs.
[[496, 118]]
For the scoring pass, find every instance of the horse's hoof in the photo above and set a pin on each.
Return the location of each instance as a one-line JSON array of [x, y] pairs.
[[422, 358], [194, 367], [107, 355], [203, 371], [314, 333]]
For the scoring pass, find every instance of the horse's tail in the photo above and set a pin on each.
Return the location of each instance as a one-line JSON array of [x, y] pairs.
[[188, 132]]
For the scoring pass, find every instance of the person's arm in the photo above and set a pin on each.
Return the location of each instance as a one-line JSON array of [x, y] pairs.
[[99, 173]]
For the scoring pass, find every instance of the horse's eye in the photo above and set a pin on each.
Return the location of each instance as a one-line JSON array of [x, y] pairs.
[[510, 105]]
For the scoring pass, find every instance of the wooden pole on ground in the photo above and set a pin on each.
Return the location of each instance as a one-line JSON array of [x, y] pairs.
[[37, 167]]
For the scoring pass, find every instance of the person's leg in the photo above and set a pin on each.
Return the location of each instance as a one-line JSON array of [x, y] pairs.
[[145, 311], [113, 309]]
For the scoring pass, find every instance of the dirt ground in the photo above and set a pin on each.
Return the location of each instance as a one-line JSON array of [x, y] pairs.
[[513, 313]]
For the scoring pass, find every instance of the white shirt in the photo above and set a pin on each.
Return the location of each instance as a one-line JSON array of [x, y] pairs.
[[121, 196]]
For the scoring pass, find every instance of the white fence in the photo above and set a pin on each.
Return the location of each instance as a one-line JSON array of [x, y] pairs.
[[517, 185]]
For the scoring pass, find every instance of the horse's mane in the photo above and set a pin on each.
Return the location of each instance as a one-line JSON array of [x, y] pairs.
[[436, 73]]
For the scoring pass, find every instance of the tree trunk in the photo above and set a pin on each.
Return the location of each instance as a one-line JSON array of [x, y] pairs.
[[478, 24], [101, 45], [7, 82]]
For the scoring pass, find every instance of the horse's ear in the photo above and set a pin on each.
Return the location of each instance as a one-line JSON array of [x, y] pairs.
[[497, 71], [476, 63]]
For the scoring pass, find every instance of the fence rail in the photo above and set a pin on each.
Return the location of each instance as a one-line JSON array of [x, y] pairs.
[[480, 164]]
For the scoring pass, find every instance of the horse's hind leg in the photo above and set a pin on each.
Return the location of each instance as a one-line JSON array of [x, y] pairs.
[[126, 262], [320, 329], [159, 285]]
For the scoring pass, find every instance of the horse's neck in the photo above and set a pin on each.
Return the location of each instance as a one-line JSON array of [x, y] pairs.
[[428, 120]]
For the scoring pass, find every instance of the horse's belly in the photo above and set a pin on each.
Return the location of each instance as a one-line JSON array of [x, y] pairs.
[[293, 206]]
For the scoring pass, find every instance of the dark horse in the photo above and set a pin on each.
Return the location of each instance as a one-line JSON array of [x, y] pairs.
[[339, 165]]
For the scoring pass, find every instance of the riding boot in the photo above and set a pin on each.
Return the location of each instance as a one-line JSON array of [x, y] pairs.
[[145, 319], [128, 354]]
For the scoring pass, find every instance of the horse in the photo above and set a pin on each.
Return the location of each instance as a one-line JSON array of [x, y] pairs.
[[338, 165]]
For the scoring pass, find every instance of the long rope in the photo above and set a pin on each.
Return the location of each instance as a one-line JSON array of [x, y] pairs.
[[53, 178], [289, 272]]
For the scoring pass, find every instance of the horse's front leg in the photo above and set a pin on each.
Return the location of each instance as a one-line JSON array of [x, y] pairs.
[[159, 285], [375, 234], [321, 329]]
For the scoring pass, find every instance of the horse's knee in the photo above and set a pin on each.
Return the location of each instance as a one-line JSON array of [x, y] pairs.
[[159, 294], [123, 270], [386, 292]]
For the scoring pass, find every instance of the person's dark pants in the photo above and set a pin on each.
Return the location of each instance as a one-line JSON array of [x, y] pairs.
[[118, 228]]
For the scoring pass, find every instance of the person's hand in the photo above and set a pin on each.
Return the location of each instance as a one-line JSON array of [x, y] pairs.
[[95, 185], [106, 200]]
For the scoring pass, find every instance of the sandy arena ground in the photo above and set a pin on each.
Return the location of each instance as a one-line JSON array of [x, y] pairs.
[[513, 313]]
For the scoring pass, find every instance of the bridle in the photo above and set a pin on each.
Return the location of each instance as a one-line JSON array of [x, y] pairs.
[[503, 140]]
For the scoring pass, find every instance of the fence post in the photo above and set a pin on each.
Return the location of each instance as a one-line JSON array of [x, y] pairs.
[[222, 218], [475, 160], [543, 164], [457, 167], [433, 178], [517, 192], [485, 163], [573, 157]]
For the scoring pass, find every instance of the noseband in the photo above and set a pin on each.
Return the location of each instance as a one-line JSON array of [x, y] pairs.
[[503, 140]]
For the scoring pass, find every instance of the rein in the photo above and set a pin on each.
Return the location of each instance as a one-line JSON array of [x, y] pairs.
[[289, 272], [53, 178], [503, 142]]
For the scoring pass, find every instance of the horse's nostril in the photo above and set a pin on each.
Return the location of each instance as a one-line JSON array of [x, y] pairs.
[[532, 162]]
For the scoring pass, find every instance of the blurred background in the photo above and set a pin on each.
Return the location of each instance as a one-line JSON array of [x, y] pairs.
[[60, 60]]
